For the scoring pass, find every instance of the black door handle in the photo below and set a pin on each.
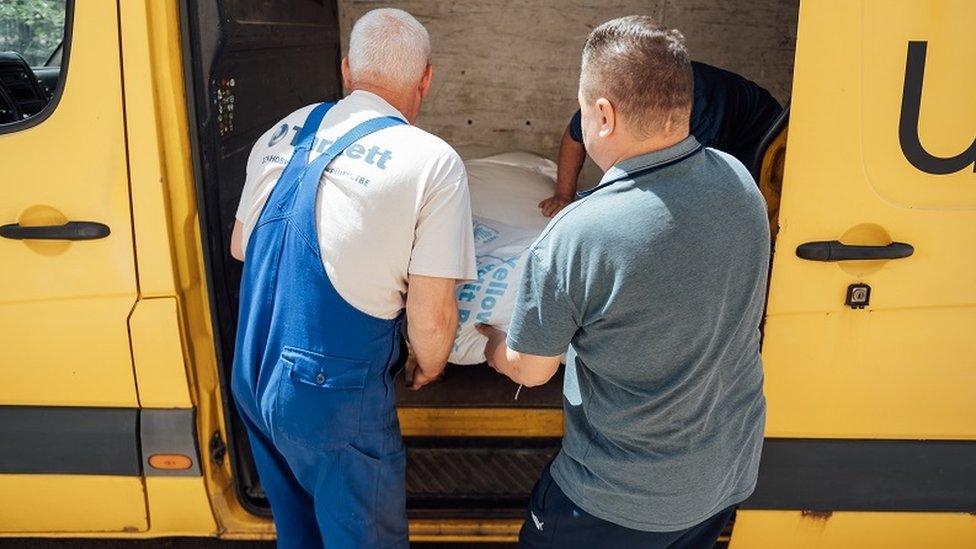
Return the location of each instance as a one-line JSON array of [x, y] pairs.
[[834, 250], [72, 230]]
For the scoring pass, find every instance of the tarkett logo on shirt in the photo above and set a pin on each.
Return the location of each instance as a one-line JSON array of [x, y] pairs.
[[374, 155], [278, 135]]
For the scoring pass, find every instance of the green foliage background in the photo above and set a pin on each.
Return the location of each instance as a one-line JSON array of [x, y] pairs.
[[32, 28]]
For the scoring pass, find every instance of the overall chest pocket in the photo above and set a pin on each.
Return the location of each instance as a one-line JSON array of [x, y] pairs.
[[320, 398]]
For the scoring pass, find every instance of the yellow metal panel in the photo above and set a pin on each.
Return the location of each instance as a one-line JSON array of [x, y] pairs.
[[849, 530], [104, 506], [158, 354], [178, 506], [465, 530], [66, 352], [185, 249], [481, 422], [947, 123], [855, 395], [63, 305], [771, 180], [905, 367], [146, 170], [432, 530], [42, 504]]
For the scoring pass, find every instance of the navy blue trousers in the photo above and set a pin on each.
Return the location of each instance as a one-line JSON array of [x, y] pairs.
[[554, 521]]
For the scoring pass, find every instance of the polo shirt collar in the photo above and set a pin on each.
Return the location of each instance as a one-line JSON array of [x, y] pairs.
[[641, 164]]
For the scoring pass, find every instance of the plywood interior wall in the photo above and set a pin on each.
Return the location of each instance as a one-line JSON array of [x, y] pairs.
[[505, 72]]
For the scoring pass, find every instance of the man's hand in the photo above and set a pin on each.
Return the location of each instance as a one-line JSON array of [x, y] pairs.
[[494, 346], [569, 162], [415, 376], [420, 379], [552, 205]]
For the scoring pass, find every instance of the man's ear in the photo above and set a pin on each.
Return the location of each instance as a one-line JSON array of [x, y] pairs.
[[346, 78], [608, 116], [426, 80]]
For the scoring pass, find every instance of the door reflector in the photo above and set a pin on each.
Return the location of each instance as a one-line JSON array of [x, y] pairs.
[[170, 462]]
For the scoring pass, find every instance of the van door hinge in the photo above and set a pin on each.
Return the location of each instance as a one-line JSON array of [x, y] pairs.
[[217, 448]]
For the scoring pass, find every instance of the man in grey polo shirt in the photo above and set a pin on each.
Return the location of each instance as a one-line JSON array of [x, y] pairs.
[[656, 278]]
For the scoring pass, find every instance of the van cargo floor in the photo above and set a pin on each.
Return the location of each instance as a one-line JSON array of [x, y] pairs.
[[476, 477], [479, 386]]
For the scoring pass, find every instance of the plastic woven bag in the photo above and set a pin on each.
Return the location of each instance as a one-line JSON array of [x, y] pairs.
[[500, 250]]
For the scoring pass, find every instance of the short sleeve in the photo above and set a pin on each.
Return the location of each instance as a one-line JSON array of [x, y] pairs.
[[252, 176], [444, 238], [265, 163], [545, 319], [258, 182], [576, 127]]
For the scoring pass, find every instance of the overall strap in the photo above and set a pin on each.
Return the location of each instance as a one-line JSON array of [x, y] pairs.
[[308, 185], [306, 137], [283, 193]]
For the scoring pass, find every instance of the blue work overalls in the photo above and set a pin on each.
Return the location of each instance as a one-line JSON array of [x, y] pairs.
[[313, 375]]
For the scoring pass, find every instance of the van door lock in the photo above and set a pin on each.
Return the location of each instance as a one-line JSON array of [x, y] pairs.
[[858, 296]]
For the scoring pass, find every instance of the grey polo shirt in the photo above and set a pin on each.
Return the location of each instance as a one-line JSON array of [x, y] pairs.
[[657, 278]]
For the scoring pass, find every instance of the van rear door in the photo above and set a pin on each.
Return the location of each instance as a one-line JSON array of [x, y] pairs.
[[870, 335], [69, 454]]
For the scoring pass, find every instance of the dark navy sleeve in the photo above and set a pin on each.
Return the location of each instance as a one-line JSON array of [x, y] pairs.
[[576, 127], [731, 113]]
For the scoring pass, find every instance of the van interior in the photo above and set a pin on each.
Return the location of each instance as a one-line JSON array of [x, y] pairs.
[[249, 63], [28, 82]]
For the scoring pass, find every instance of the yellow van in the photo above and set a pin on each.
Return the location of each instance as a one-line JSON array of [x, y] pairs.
[[123, 137]]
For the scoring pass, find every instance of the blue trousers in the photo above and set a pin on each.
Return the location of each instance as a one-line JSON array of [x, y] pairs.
[[565, 526], [336, 498]]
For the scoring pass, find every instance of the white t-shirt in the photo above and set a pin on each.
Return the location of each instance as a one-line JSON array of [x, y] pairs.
[[395, 203]]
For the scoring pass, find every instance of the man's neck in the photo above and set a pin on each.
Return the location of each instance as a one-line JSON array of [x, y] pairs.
[[647, 146], [398, 100]]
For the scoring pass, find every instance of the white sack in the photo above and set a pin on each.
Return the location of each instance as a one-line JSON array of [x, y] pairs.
[[505, 193], [500, 250], [508, 188]]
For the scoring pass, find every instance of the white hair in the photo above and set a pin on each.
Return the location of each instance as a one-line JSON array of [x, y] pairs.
[[388, 47]]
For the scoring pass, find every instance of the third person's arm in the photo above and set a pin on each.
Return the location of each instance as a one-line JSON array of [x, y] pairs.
[[572, 154]]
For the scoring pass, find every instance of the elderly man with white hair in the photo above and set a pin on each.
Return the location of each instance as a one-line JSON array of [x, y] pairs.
[[351, 222]]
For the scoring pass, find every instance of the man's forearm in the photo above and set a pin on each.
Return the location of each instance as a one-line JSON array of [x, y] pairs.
[[522, 368], [432, 320], [528, 370], [569, 163], [431, 342], [508, 365]]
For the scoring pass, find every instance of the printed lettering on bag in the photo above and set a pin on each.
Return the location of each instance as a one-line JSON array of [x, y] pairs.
[[500, 251]]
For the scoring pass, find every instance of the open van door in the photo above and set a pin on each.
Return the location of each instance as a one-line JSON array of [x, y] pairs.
[[69, 443], [870, 334]]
